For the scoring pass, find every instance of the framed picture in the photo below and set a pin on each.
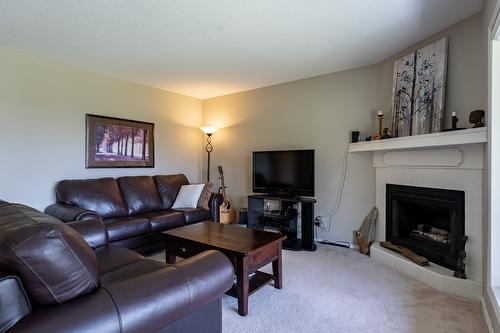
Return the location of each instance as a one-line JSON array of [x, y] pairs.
[[119, 143]]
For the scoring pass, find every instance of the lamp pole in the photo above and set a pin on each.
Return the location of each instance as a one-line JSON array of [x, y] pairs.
[[209, 148], [208, 130]]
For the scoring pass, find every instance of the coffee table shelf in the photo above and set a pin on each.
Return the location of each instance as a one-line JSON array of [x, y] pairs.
[[255, 282]]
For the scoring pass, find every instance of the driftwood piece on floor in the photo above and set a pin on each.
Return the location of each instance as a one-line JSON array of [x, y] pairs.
[[365, 236], [419, 260]]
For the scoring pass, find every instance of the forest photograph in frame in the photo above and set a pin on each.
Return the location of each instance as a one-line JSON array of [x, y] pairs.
[[118, 143]]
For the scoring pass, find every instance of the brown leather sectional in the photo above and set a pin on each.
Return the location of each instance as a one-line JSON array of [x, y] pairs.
[[135, 210], [66, 277]]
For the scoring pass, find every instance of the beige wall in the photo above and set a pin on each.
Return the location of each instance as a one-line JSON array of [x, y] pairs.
[[43, 106], [314, 113], [319, 113], [43, 103], [466, 86], [42, 125]]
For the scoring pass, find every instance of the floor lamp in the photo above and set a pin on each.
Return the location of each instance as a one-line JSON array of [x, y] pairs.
[[208, 130]]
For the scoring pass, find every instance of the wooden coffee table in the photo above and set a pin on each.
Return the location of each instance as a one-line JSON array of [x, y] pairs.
[[248, 250]]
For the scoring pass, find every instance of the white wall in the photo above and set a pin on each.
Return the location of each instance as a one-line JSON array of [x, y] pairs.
[[42, 125]]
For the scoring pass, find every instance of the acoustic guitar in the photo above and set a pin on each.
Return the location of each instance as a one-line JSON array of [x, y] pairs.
[[225, 210]]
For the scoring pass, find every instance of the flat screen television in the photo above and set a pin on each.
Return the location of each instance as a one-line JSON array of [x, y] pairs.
[[284, 172]]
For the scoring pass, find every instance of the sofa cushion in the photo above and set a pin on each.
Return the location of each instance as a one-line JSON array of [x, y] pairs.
[[110, 258], [188, 196], [125, 227], [131, 270], [168, 187], [195, 215], [53, 261], [164, 220], [205, 196], [99, 195], [140, 194]]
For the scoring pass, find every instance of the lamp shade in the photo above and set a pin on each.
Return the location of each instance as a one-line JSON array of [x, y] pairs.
[[209, 130]]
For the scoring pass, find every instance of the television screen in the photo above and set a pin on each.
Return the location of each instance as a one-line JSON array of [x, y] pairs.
[[284, 172]]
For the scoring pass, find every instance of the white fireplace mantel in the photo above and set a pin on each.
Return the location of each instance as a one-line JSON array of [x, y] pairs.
[[447, 160], [433, 140]]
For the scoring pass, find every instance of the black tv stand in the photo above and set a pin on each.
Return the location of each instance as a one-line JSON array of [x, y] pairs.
[[279, 195], [284, 220]]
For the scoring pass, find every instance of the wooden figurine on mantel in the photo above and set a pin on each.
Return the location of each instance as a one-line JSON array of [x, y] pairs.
[[476, 117], [385, 134]]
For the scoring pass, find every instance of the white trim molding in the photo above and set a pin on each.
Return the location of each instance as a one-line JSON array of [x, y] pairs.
[[491, 309], [433, 140]]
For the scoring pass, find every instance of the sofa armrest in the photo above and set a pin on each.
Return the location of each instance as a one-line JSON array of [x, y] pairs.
[[167, 294], [93, 232], [214, 203], [93, 312], [14, 302], [67, 213]]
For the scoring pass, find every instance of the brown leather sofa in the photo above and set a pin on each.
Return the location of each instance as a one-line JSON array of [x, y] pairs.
[[57, 277], [135, 210]]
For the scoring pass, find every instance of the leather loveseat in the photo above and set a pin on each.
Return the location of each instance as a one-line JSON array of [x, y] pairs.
[[135, 210], [65, 277]]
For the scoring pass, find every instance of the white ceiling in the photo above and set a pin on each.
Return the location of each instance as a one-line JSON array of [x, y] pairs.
[[207, 48]]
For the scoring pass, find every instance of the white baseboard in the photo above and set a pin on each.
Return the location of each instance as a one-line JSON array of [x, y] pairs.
[[492, 308], [487, 317]]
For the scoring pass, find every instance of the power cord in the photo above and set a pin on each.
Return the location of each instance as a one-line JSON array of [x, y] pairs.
[[331, 215]]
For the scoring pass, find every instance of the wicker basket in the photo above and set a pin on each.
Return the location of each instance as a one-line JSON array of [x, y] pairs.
[[227, 216]]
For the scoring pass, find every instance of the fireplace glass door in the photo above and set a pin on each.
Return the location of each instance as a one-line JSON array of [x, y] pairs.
[[428, 221]]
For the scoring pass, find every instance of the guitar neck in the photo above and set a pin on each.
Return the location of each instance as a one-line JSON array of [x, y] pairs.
[[221, 174], [223, 186]]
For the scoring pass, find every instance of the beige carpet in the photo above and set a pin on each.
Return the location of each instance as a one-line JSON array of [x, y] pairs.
[[340, 290]]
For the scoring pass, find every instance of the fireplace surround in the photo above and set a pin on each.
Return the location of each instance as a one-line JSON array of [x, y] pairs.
[[447, 160], [429, 221]]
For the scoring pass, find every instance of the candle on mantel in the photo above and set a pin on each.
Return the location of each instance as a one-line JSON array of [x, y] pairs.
[[454, 120]]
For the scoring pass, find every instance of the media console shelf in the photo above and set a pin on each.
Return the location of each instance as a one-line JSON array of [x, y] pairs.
[[285, 219]]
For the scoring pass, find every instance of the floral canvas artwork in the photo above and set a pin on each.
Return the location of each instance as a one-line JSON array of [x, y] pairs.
[[430, 79], [402, 92], [419, 90]]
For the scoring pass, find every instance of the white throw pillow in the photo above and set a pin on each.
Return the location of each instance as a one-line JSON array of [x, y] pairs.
[[188, 196]]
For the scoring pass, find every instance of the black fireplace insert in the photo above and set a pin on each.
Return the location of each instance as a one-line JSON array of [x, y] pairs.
[[429, 221]]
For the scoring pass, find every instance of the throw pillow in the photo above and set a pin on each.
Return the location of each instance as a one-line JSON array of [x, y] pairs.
[[205, 196], [188, 196]]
